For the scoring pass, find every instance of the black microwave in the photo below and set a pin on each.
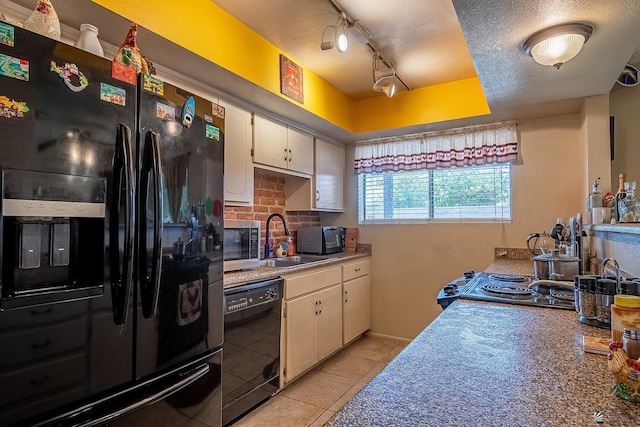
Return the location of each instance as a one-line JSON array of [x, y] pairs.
[[320, 240], [241, 244]]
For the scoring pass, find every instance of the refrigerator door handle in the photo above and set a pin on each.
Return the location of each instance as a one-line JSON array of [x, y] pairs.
[[150, 282], [121, 271]]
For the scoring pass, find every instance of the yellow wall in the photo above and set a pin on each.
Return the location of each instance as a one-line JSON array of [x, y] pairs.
[[207, 30], [438, 103]]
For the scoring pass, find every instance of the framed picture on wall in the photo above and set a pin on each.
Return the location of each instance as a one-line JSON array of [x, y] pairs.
[[291, 84]]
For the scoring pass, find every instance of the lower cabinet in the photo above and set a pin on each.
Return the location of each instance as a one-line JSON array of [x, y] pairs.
[[355, 298], [314, 328], [324, 309]]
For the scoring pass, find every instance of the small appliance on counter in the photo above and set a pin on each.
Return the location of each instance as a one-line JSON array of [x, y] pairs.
[[321, 240], [241, 244]]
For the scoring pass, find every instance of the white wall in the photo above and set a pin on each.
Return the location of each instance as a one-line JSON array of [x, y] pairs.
[[411, 263]]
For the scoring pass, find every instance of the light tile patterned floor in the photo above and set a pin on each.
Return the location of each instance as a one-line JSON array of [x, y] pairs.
[[313, 399]]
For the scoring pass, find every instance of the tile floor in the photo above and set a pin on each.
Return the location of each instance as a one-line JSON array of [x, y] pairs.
[[313, 399]]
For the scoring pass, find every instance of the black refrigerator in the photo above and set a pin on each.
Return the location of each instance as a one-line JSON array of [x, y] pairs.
[[111, 222]]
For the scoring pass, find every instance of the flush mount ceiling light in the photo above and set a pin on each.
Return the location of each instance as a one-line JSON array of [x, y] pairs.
[[384, 73], [340, 35], [558, 44]]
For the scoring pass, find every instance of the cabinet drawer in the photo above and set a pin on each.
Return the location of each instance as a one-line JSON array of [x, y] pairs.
[[304, 283], [355, 269]]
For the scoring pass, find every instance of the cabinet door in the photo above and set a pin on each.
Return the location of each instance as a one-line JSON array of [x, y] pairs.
[[300, 149], [356, 307], [330, 321], [329, 176], [270, 143], [302, 337], [238, 166]]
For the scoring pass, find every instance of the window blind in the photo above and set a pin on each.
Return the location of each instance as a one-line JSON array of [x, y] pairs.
[[464, 193]]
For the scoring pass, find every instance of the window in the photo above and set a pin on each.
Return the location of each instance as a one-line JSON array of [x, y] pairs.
[[463, 193]]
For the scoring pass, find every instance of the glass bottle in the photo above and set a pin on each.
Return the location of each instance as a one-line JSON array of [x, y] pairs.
[[627, 206], [594, 200], [621, 194]]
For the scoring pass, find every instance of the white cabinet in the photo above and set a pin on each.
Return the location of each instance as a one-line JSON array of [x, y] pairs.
[[328, 178], [300, 151], [238, 165], [324, 191], [281, 146], [355, 293], [313, 319]]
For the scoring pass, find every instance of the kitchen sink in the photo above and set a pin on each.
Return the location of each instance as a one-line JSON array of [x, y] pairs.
[[292, 260]]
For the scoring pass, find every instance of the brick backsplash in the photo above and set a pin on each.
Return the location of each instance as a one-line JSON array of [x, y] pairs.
[[268, 198]]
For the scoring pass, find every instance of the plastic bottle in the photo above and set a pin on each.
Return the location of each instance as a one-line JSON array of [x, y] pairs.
[[625, 313], [594, 200], [290, 249]]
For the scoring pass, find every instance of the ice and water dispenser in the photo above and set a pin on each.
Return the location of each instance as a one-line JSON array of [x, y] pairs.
[[53, 232]]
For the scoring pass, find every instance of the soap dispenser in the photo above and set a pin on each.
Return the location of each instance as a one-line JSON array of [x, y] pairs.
[[594, 200]]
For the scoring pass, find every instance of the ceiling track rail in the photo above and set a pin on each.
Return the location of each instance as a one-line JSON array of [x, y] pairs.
[[338, 7]]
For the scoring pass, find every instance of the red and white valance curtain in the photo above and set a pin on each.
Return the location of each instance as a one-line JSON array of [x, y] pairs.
[[478, 145]]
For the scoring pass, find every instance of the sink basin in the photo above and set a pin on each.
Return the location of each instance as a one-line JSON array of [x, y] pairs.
[[292, 260]]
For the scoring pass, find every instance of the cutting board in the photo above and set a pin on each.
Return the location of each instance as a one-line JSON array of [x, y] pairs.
[[351, 239]]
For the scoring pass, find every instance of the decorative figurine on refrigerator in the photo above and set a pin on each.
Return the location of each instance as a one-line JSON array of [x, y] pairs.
[[129, 55], [44, 20]]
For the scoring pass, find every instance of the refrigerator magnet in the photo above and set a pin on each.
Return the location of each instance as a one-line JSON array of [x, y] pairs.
[[217, 110], [165, 112], [212, 132], [16, 68], [208, 118], [10, 108], [7, 35], [152, 84], [113, 94], [71, 75], [123, 73], [188, 111]]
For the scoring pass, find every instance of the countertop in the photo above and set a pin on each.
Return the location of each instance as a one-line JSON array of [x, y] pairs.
[[235, 278], [493, 364]]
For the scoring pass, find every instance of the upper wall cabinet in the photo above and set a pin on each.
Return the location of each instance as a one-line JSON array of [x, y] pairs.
[[329, 176], [238, 166], [281, 146], [324, 192]]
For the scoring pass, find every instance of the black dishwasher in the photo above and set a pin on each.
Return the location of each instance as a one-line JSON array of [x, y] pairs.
[[251, 368]]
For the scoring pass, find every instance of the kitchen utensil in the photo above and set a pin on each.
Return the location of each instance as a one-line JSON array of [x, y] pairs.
[[542, 243], [556, 266], [180, 248]]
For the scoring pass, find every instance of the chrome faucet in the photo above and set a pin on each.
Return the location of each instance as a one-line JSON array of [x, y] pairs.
[[267, 250], [604, 272]]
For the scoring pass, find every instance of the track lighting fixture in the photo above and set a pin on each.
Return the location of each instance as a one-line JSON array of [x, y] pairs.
[[340, 35], [384, 79]]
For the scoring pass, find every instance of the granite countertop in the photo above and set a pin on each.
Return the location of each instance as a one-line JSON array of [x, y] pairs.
[[235, 278], [493, 364]]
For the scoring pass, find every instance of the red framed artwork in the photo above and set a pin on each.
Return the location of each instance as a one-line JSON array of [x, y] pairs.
[[291, 79]]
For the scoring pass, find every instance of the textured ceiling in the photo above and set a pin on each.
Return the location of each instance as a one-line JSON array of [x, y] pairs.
[[431, 41]]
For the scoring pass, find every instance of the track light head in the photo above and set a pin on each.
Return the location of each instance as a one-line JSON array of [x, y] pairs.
[[340, 35]]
